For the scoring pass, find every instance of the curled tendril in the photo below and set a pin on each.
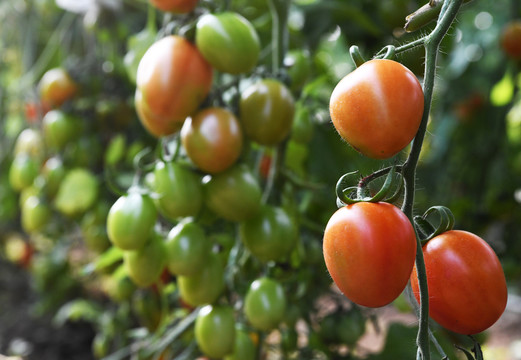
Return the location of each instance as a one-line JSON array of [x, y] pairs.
[[343, 191], [356, 56], [388, 52], [427, 230]]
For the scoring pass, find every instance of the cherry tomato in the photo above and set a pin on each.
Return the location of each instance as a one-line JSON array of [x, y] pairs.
[[146, 264], [215, 330], [266, 111], [22, 172], [299, 68], [187, 249], [179, 190], [56, 86], [270, 235], [131, 220], [244, 348], [234, 194], [378, 108], [175, 6], [511, 39], [172, 81], [35, 214], [369, 250], [467, 287], [53, 173], [59, 129], [205, 286], [29, 142], [228, 41], [77, 193], [265, 304], [212, 139]]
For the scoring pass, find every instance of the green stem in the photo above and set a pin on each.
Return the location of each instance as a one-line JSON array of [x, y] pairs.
[[432, 44], [279, 14]]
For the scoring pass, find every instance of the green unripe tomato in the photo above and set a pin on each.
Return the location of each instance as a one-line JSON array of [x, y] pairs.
[[35, 214], [145, 265], [22, 172], [265, 304], [131, 220], [298, 67], [187, 249], [215, 330], [244, 348], [59, 129], [228, 42]]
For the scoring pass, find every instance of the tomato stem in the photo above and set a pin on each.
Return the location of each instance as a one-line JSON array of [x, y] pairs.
[[279, 13]]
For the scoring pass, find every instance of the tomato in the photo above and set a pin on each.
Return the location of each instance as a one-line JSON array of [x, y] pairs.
[[215, 330], [377, 108], [265, 304], [205, 286], [467, 287], [131, 220], [29, 142], [22, 172], [302, 129], [187, 249], [234, 194], [244, 348], [35, 214], [59, 129], [511, 39], [367, 245], [228, 41], [118, 285], [212, 139], [56, 86], [93, 228], [271, 235], [145, 264], [53, 173], [179, 191], [172, 81], [298, 67], [175, 6], [18, 250], [266, 111], [77, 193]]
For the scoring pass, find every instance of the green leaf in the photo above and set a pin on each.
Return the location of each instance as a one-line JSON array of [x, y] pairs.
[[104, 260], [503, 91], [75, 310]]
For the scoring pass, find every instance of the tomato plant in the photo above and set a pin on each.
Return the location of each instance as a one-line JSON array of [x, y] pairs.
[[56, 86], [377, 108], [265, 304], [172, 81], [215, 330], [467, 288], [145, 264], [212, 139], [367, 245], [131, 220], [270, 235], [175, 6], [511, 39], [228, 41], [266, 111]]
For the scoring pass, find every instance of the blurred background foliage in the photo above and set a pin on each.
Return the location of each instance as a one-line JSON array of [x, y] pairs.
[[471, 161]]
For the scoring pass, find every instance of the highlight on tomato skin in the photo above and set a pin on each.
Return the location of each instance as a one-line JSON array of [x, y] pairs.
[[378, 108], [466, 284], [56, 87], [369, 251]]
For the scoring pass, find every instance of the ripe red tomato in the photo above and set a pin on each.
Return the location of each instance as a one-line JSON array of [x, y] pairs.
[[511, 39], [265, 304], [215, 330], [377, 108], [369, 250], [228, 41], [266, 111], [56, 86], [467, 287], [172, 81], [175, 6], [212, 139]]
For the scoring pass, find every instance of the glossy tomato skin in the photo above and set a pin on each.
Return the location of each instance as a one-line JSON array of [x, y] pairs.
[[377, 108], [22, 172], [234, 194], [175, 6], [172, 81], [35, 214], [59, 129], [369, 250], [266, 111], [270, 235], [215, 330], [131, 221], [228, 41], [467, 287], [265, 304], [212, 139], [179, 190], [511, 39], [56, 86], [145, 264]]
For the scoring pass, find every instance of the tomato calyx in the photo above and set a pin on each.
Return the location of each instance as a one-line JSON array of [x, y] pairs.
[[476, 349], [393, 181], [426, 230]]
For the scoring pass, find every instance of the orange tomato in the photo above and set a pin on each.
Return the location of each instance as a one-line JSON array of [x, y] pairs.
[[175, 6], [56, 86], [511, 39]]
